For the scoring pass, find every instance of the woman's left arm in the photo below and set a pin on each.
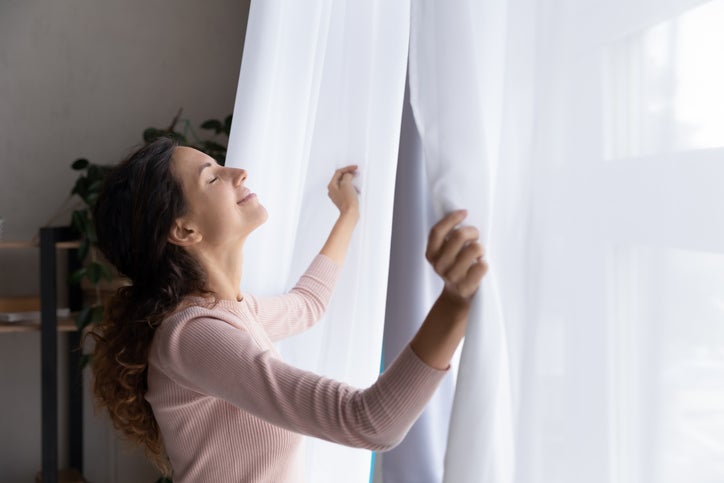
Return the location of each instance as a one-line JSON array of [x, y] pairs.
[[303, 305]]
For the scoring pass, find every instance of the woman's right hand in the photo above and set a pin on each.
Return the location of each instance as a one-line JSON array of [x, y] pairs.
[[456, 255], [342, 192]]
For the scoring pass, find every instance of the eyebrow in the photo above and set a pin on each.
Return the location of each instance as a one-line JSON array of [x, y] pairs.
[[204, 166]]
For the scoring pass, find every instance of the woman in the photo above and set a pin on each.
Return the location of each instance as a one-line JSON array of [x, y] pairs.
[[184, 361]]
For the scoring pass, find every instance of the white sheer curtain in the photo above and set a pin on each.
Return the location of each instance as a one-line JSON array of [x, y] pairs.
[[471, 92], [601, 132], [412, 289], [321, 86], [586, 140]]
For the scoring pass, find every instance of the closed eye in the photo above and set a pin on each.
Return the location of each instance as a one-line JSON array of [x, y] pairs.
[[215, 178]]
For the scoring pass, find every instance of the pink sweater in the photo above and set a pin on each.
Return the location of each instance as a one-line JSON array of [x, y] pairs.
[[230, 410]]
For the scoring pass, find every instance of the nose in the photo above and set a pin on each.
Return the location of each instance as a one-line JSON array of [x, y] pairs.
[[239, 176]]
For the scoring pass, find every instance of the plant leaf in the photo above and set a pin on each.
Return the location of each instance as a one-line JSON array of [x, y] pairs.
[[80, 187], [79, 164], [96, 314], [77, 276], [84, 317], [106, 272], [91, 233], [85, 359], [93, 174], [77, 221], [151, 134], [212, 124], [92, 198], [83, 249], [96, 185], [213, 146], [94, 271], [179, 137]]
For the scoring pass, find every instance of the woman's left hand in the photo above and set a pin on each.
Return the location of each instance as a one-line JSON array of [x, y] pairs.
[[342, 192]]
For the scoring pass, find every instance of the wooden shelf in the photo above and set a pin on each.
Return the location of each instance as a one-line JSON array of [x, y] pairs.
[[64, 325], [13, 244], [31, 304], [47, 244], [18, 244]]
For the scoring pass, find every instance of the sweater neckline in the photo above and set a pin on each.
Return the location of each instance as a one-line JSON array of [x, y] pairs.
[[234, 305]]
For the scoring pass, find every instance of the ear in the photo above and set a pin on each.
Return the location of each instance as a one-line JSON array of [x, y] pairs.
[[183, 234]]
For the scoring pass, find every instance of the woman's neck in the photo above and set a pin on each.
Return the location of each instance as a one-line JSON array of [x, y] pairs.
[[223, 269]]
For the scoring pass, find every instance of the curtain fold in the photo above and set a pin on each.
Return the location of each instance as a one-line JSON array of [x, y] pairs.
[[471, 93], [321, 86], [412, 289]]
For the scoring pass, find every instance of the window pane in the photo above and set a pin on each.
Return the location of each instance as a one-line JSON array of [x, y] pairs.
[[663, 86], [667, 366]]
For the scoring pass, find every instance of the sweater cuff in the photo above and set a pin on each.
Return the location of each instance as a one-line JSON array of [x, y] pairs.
[[415, 372], [419, 364]]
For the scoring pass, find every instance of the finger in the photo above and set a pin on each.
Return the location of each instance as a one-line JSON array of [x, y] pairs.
[[345, 180], [440, 231], [351, 167], [470, 284], [340, 173], [467, 257], [451, 247], [348, 182]]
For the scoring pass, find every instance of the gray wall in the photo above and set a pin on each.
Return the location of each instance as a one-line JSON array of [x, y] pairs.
[[83, 78]]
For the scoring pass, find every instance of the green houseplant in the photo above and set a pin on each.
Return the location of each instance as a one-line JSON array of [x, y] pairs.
[[93, 269]]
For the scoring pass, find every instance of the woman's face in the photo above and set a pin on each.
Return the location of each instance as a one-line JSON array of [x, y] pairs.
[[221, 209]]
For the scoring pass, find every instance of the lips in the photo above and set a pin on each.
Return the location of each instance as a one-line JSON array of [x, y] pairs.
[[246, 196]]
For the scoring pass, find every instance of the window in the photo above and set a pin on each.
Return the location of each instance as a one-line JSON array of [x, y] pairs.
[[663, 86]]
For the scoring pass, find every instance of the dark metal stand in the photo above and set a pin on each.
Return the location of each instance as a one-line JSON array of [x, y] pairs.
[[49, 360], [75, 374]]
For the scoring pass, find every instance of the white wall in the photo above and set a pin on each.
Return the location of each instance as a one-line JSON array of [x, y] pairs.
[[83, 78]]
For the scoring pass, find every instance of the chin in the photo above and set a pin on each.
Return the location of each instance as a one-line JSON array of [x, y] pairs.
[[263, 217]]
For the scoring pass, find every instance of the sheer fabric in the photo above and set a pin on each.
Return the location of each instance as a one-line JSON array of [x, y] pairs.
[[585, 139], [412, 288], [473, 114], [321, 86]]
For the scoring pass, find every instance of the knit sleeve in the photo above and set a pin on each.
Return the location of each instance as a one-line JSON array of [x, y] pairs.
[[300, 308], [213, 357]]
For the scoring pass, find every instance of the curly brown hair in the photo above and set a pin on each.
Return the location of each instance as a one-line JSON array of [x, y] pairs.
[[139, 202]]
